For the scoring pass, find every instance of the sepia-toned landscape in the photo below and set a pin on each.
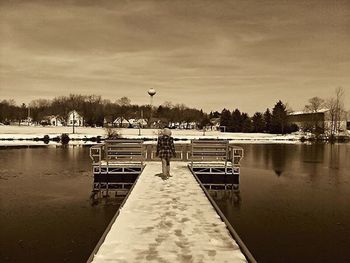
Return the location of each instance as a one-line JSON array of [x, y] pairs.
[[174, 131]]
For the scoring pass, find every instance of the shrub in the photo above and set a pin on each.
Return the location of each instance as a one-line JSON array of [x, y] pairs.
[[112, 133], [46, 139], [65, 138], [56, 139]]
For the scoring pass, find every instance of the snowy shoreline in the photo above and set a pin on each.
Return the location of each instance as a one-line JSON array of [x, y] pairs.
[[33, 135]]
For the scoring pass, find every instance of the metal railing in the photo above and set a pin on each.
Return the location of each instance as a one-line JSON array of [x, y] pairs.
[[249, 256]]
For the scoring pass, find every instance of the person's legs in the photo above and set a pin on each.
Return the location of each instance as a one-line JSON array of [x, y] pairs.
[[168, 170], [164, 168], [168, 167]]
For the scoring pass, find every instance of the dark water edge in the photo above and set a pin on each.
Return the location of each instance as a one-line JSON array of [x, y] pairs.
[[294, 202], [46, 214]]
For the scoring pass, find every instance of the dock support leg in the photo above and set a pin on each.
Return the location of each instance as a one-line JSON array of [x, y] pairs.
[[107, 184], [99, 190]]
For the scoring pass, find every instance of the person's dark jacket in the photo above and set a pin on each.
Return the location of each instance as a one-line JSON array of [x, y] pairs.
[[165, 147]]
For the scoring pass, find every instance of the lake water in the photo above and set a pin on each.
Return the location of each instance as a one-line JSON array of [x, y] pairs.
[[295, 202], [45, 211], [293, 205]]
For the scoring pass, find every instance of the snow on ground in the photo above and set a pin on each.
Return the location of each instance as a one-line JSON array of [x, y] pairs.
[[168, 220], [39, 131], [18, 143], [30, 132]]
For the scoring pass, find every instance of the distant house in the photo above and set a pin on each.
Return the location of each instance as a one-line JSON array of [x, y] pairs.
[[173, 125], [138, 123], [191, 125], [132, 123], [121, 123], [183, 125], [75, 118], [215, 124], [26, 122], [53, 120], [107, 122], [117, 122], [320, 120], [157, 123]]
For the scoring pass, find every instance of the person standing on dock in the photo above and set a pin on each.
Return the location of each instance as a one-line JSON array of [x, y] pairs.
[[165, 150]]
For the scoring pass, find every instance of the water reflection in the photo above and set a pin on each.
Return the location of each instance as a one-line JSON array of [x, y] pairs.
[[310, 159], [46, 190], [334, 159], [313, 153], [231, 196], [295, 204], [297, 192], [277, 159]]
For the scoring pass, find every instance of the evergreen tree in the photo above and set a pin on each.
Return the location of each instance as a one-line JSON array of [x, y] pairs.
[[204, 122], [225, 118], [22, 113], [267, 121], [246, 123], [279, 118], [258, 122], [236, 121], [214, 114]]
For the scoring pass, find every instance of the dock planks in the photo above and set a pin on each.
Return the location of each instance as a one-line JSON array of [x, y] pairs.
[[168, 221]]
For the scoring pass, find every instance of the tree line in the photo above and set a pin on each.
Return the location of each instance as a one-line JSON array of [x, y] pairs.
[[97, 111], [274, 121]]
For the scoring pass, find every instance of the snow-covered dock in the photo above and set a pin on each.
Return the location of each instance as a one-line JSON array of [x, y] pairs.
[[167, 220]]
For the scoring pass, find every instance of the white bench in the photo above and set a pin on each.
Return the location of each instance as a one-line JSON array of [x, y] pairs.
[[116, 163], [214, 157]]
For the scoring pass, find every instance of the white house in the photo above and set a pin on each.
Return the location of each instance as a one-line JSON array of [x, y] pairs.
[[137, 123], [142, 122], [321, 120], [121, 123], [182, 125], [55, 120], [76, 118], [26, 122], [214, 124]]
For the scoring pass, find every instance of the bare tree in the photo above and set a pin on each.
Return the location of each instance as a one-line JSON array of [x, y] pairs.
[[339, 99], [167, 104], [124, 101], [331, 105], [314, 106], [336, 111], [289, 109]]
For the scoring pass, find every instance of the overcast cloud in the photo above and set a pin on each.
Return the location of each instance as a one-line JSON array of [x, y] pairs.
[[206, 54]]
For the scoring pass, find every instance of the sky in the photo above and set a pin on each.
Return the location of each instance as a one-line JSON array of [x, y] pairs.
[[205, 54]]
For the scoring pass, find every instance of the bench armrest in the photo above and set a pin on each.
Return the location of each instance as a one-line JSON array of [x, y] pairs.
[[235, 155], [96, 153]]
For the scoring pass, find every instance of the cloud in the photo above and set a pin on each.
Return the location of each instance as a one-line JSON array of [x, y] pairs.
[[207, 54]]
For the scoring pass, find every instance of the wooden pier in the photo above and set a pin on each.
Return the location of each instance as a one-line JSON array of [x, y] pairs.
[[117, 163], [168, 220]]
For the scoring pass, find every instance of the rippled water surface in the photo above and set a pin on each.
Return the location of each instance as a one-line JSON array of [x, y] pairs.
[[294, 202], [46, 215], [293, 206]]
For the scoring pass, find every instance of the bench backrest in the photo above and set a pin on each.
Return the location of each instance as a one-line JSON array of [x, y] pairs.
[[209, 150], [124, 150]]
